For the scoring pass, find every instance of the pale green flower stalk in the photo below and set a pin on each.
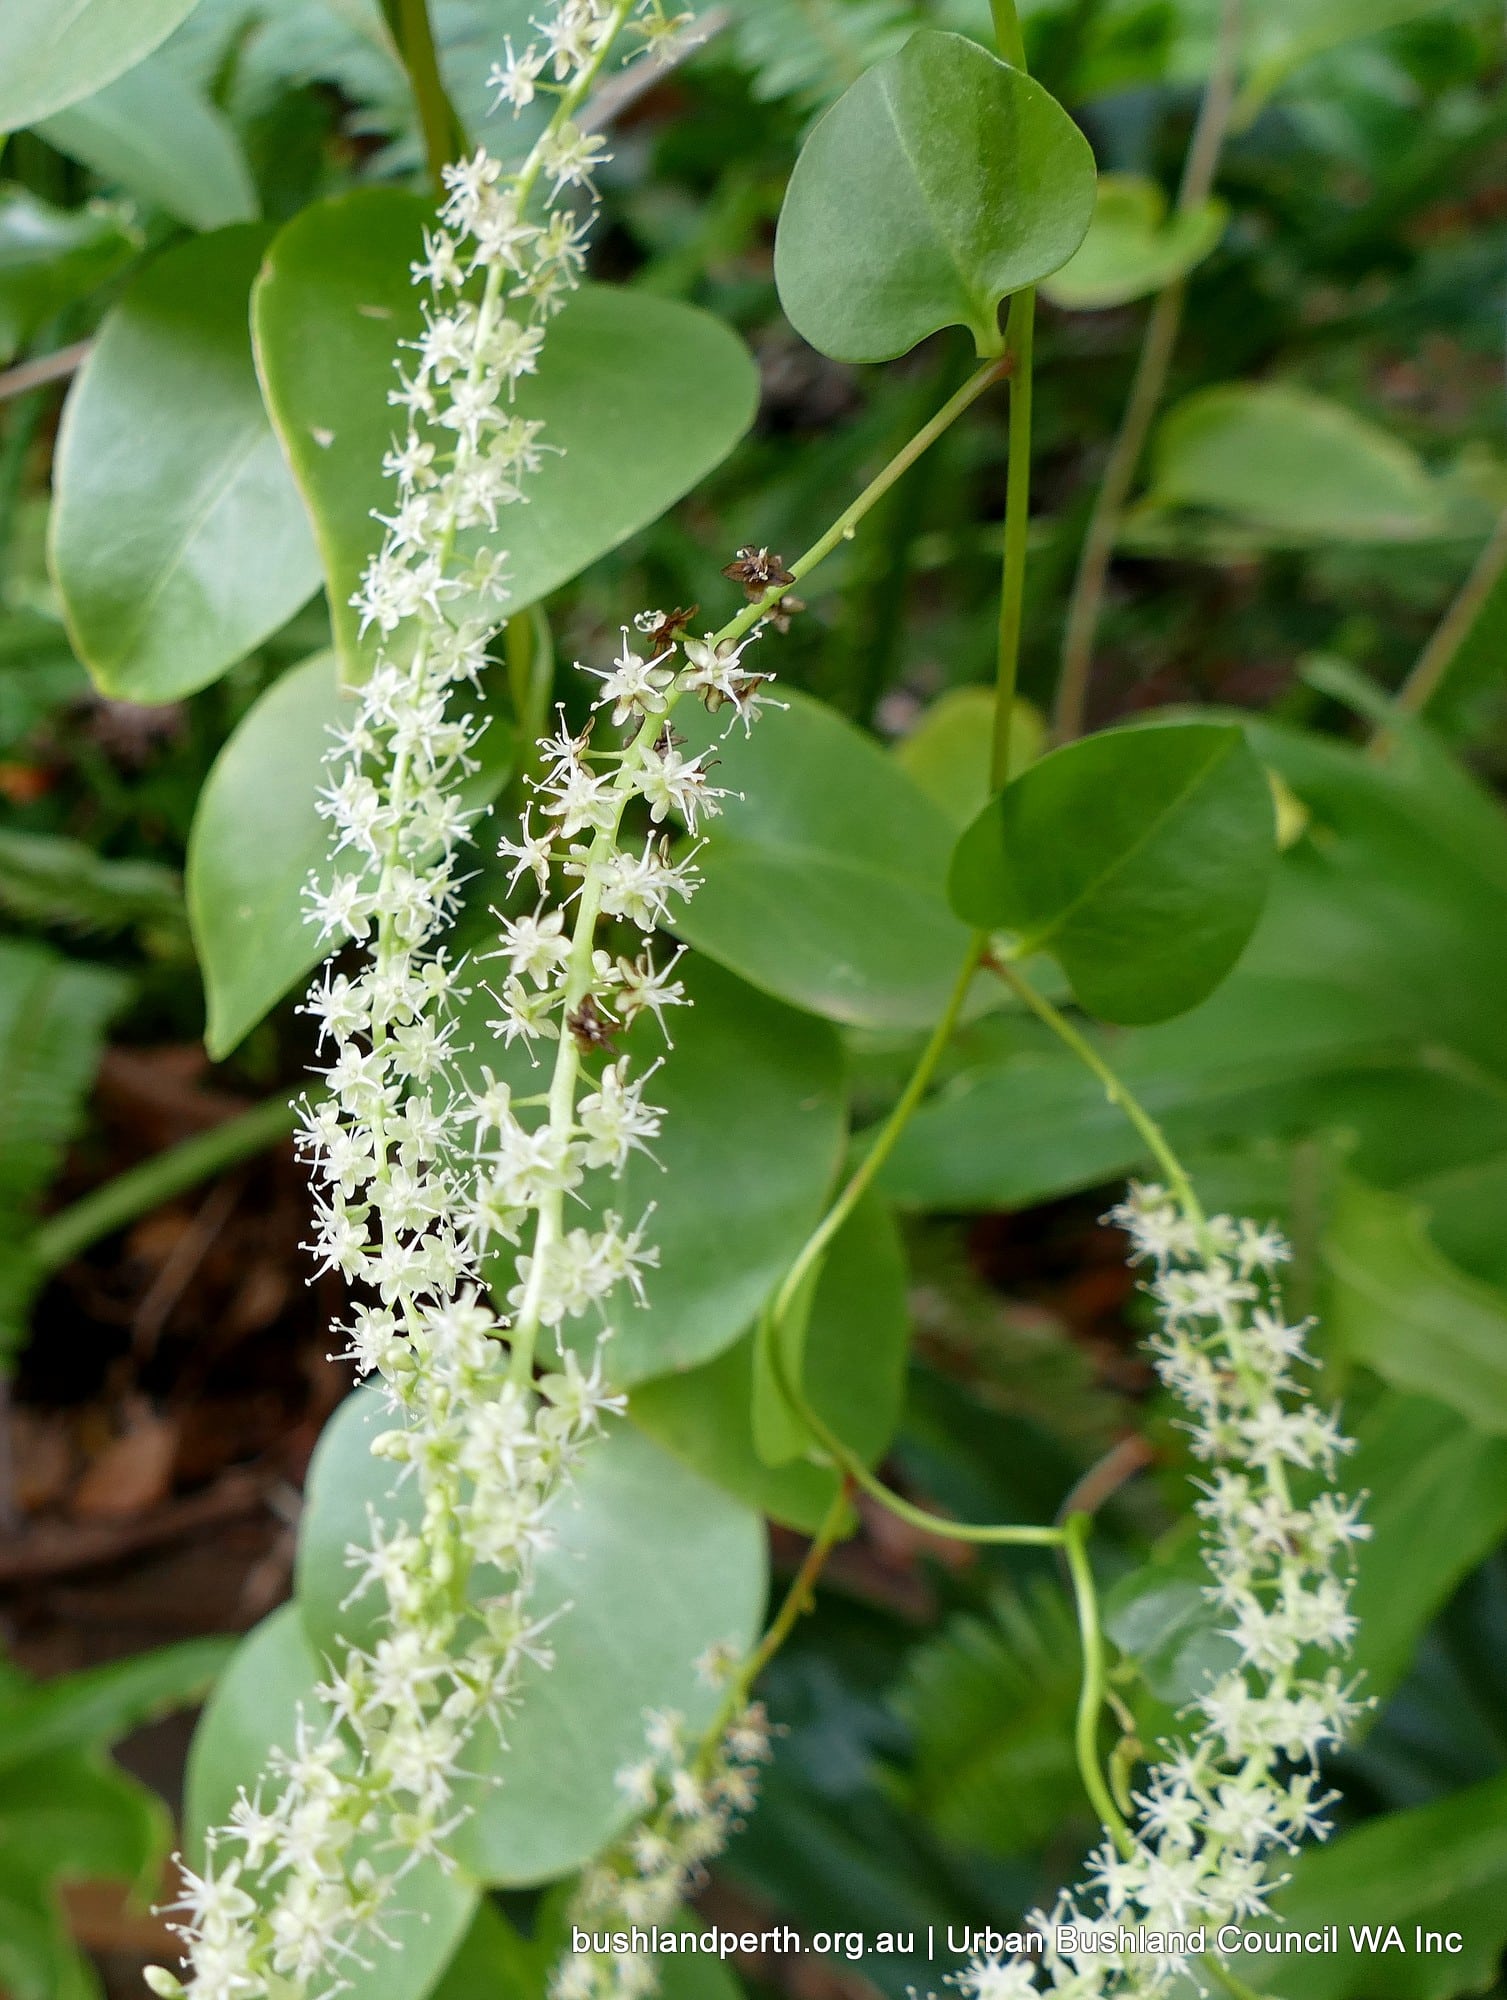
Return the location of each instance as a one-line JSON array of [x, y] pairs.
[[420, 1175]]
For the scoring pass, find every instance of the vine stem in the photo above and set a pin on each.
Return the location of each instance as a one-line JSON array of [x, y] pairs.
[[444, 135], [799, 1598], [1118, 1092], [1438, 656], [1019, 356], [1086, 604], [843, 527], [1094, 1684], [1007, 33], [867, 1171]]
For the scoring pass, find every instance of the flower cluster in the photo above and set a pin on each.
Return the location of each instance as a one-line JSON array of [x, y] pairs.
[[420, 1172], [1244, 1785], [688, 1796]]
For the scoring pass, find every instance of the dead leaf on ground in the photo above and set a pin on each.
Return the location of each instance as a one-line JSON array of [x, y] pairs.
[[134, 1472]]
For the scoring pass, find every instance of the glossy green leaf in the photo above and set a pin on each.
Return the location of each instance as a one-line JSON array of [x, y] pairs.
[[71, 1817], [854, 1373], [1383, 943], [655, 1563], [1441, 1867], [1134, 246], [256, 838], [96, 1707], [754, 1102], [1252, 1059], [824, 880], [213, 553], [755, 1118], [1140, 859], [1398, 1305], [640, 398], [51, 56], [1161, 1618], [51, 256], [1284, 463], [271, 1680], [152, 134], [1436, 1502], [939, 183], [949, 751]]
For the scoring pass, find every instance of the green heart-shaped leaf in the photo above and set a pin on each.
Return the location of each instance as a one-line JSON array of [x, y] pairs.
[[211, 552], [165, 142], [1292, 465], [654, 1563], [941, 182], [754, 1102], [640, 397], [272, 1679], [258, 836], [1140, 859], [824, 880], [853, 1371], [1133, 247], [51, 55]]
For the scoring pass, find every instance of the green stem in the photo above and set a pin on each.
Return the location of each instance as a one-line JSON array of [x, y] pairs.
[[1232, 1985], [798, 1598], [1007, 35], [865, 1174], [843, 528], [141, 1189], [444, 135], [1117, 1092], [1020, 335], [1092, 1689], [1086, 605], [858, 1474], [1438, 656]]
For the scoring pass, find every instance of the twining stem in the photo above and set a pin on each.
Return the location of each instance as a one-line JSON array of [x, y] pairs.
[[444, 135], [1086, 605], [864, 1174], [842, 528], [1020, 333], [1007, 35], [799, 1598], [1115, 1089], [1438, 656], [1094, 1683]]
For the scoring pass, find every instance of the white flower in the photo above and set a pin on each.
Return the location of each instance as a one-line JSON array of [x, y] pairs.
[[514, 78]]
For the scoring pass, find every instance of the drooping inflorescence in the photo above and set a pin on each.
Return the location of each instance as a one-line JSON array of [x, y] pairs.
[[687, 1794], [420, 1175], [1243, 1786]]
